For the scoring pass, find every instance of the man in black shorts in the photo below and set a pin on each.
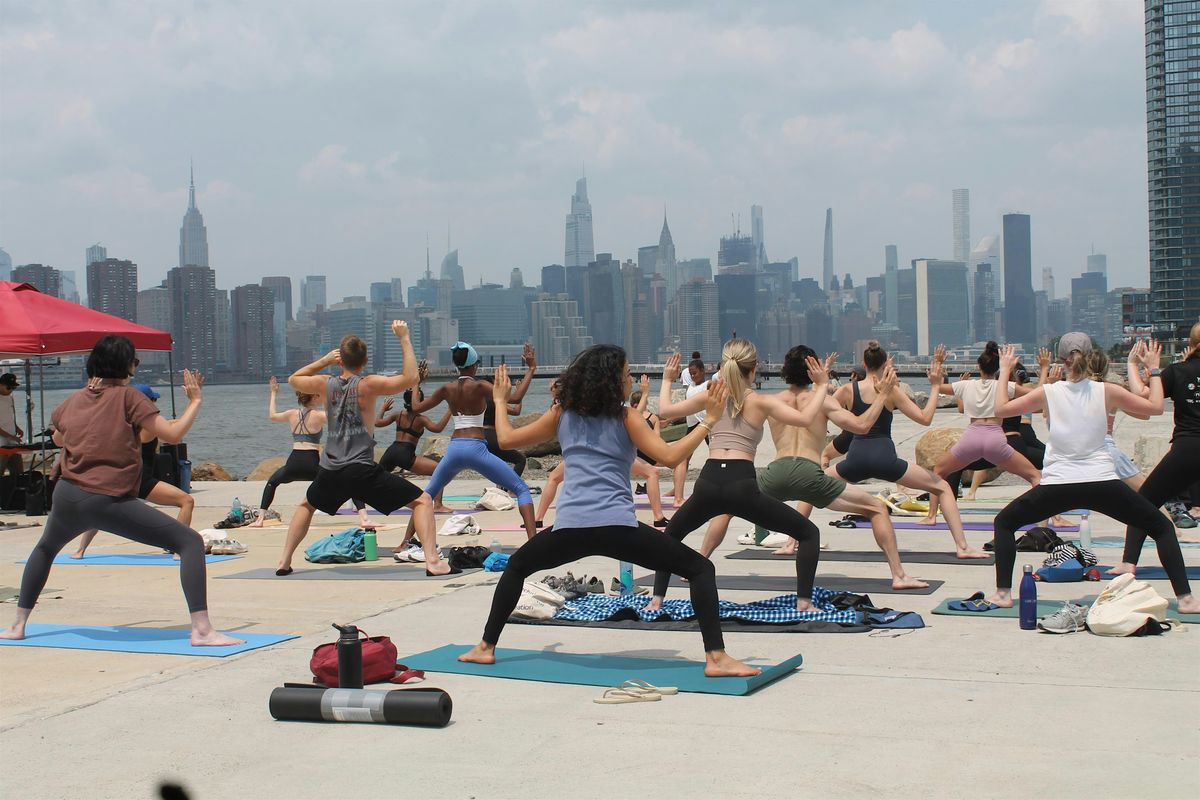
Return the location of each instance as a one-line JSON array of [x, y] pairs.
[[348, 465]]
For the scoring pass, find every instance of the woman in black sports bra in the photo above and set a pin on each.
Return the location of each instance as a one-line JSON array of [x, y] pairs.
[[410, 426]]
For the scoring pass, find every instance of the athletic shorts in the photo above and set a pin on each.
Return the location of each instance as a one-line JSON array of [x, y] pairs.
[[872, 457], [796, 478], [982, 440], [147, 484], [842, 441], [382, 491], [1124, 466]]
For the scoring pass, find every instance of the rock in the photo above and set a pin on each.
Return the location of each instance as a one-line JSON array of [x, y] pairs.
[[265, 469], [934, 444], [550, 448], [908, 390], [533, 463], [1149, 450], [209, 471], [434, 448]]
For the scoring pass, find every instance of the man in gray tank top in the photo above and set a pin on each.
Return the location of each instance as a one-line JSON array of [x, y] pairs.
[[348, 465]]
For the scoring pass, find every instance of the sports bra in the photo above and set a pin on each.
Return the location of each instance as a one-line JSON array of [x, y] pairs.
[[301, 434], [464, 421], [882, 427], [409, 430], [732, 433]]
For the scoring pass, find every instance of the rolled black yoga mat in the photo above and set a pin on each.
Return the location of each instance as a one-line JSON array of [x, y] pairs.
[[787, 583], [395, 707], [872, 556]]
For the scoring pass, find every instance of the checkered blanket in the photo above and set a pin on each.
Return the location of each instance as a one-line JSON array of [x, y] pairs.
[[781, 609]]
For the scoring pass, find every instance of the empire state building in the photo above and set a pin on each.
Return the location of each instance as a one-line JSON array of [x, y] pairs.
[[193, 236]]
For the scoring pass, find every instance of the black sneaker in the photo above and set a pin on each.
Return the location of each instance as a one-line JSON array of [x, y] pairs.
[[640, 489]]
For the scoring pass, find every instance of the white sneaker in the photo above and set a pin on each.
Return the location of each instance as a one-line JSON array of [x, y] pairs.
[[1071, 618], [746, 538], [228, 547], [414, 553], [775, 540]]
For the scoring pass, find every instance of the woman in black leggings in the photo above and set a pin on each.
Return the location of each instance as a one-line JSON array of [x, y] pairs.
[[728, 483], [599, 435], [514, 457], [410, 426], [97, 429], [1180, 466], [1078, 471]]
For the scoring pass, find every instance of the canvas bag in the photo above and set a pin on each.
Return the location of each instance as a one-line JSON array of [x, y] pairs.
[[1124, 607], [347, 547], [459, 525], [495, 500], [538, 601]]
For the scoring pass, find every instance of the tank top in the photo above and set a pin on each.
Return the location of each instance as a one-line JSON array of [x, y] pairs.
[[1076, 452], [882, 429], [735, 434], [464, 421], [349, 440], [595, 492], [149, 451], [301, 434]]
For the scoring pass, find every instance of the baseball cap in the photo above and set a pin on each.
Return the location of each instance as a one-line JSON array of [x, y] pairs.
[[1075, 340], [145, 389], [9, 379], [472, 356]]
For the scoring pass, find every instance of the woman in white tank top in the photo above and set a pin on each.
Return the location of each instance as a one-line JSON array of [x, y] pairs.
[[1078, 471]]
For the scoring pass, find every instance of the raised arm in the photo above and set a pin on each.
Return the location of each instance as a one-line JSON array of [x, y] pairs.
[[440, 425], [1150, 356], [172, 431], [385, 418], [644, 388], [309, 380], [374, 385], [529, 358], [922, 416], [1024, 404], [273, 414], [669, 410], [438, 397], [540, 430], [668, 455], [863, 422], [1134, 370]]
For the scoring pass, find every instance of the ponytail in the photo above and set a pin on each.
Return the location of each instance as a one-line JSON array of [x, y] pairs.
[[1097, 365], [1077, 366], [989, 359], [738, 359]]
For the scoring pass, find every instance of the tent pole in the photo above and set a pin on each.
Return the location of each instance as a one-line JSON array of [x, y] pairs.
[[29, 401], [42, 411], [171, 376]]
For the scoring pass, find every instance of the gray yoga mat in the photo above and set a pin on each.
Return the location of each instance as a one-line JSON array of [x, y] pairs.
[[871, 556], [727, 625], [967, 526], [346, 572], [787, 583]]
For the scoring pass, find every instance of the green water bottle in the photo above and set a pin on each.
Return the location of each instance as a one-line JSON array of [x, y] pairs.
[[370, 546]]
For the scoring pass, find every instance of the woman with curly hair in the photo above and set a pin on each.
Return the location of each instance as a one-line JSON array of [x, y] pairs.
[[600, 435]]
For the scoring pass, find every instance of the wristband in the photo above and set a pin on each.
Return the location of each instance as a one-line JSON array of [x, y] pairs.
[[1155, 373], [706, 426]]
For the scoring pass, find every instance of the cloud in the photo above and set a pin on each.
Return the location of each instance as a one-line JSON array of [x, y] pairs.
[[331, 165]]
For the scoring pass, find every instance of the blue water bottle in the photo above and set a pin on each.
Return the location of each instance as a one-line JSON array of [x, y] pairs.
[[1028, 600], [626, 577]]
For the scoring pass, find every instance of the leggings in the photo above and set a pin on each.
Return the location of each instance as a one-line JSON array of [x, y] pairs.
[[77, 510], [1113, 498], [1027, 444], [731, 487], [642, 545], [473, 454], [1173, 475], [399, 454], [514, 457], [301, 465]]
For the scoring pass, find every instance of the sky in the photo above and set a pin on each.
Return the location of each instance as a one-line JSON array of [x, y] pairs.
[[335, 138]]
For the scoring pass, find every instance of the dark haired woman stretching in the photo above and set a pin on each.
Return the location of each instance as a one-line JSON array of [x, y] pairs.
[[303, 462], [97, 429], [1079, 471], [599, 436], [410, 426]]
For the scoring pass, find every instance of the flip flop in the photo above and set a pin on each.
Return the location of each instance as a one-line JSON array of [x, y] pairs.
[[638, 685], [975, 602], [616, 696]]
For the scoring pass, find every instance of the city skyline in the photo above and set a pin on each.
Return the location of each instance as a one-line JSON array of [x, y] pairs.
[[92, 163]]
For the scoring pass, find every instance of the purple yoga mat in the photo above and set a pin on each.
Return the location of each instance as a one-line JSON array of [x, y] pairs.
[[967, 526]]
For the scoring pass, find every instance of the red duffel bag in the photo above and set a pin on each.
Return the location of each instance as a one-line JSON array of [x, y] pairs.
[[378, 660]]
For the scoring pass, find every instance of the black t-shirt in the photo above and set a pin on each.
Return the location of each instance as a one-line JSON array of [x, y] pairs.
[[1181, 383]]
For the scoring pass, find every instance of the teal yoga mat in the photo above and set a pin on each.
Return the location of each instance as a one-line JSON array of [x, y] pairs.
[[129, 560], [596, 670], [1045, 609], [160, 641], [1119, 541], [1172, 610], [903, 525]]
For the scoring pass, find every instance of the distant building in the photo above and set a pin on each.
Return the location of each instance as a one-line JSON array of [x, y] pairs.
[[906, 306], [689, 271], [1048, 282], [1058, 318], [960, 204], [1137, 314], [351, 317], [778, 330], [515, 279], [452, 271], [397, 291], [1018, 281], [386, 352], [734, 250], [756, 235], [559, 332], [984, 312], [193, 292], [381, 292], [252, 309], [46, 280], [853, 330], [312, 293], [96, 252], [112, 287], [154, 311], [5, 265], [941, 304], [193, 236], [1089, 304], [827, 257], [223, 332], [695, 307], [554, 279], [491, 314], [281, 287], [580, 250], [70, 286], [1098, 262], [605, 300], [647, 259], [737, 306]]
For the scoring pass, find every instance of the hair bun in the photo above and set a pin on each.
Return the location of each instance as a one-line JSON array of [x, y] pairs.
[[874, 345]]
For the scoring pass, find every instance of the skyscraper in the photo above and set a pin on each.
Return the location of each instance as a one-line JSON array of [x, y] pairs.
[[252, 310], [891, 309], [281, 285], [193, 236], [194, 317], [112, 287], [580, 249], [554, 279], [665, 263], [1098, 262], [96, 252], [312, 293], [381, 292], [605, 293], [647, 258], [736, 249], [1048, 282], [756, 233], [827, 259], [558, 330], [960, 201], [695, 307], [984, 310], [5, 265], [891, 259], [941, 304], [70, 288], [46, 280], [154, 311], [1173, 161], [737, 306], [516, 280], [1018, 280], [452, 271]]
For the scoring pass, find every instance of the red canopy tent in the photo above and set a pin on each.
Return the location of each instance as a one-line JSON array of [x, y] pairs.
[[33, 324]]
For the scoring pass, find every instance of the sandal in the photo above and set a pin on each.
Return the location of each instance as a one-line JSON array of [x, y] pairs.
[[616, 696], [638, 685], [975, 602]]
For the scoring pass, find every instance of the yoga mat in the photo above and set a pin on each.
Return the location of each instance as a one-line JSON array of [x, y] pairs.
[[16, 526], [1116, 541], [1172, 610], [902, 525], [1048, 607], [689, 625], [1157, 573], [348, 572], [596, 670], [787, 583], [162, 641], [871, 556], [129, 560]]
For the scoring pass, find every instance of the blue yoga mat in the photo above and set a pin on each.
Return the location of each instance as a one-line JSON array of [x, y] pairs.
[[596, 670], [1114, 541], [137, 640], [1160, 574], [902, 525], [130, 560]]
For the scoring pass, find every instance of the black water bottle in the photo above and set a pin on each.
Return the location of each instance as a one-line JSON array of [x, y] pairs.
[[349, 651]]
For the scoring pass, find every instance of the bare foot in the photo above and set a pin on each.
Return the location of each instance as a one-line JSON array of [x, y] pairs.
[[677, 504], [1002, 599], [1190, 539], [1188, 604], [479, 654], [926, 521], [15, 633], [1124, 568], [720, 664], [77, 555], [906, 582], [972, 554], [803, 605], [655, 604], [259, 519], [786, 550], [1059, 521], [438, 567], [969, 496], [443, 509], [214, 639]]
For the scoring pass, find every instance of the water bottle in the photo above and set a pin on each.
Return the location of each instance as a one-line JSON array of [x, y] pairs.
[[495, 546], [626, 577], [349, 652], [370, 546], [237, 510], [1028, 600], [1085, 532]]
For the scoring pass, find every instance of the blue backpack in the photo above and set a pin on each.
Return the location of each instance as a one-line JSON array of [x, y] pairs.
[[346, 547]]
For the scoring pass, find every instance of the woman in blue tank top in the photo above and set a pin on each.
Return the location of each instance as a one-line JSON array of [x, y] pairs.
[[600, 436]]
